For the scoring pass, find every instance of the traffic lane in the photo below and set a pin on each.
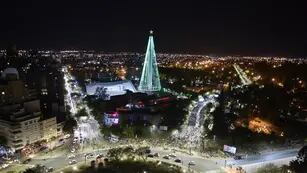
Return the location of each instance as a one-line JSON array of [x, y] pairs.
[[201, 164], [63, 161], [265, 157]]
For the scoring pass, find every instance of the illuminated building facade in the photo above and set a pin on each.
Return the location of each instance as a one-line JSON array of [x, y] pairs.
[[111, 118], [150, 80], [111, 88]]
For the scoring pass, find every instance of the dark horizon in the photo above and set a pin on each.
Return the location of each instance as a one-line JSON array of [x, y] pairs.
[[229, 28]]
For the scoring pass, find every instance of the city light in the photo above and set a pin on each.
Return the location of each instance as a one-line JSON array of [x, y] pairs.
[[80, 90]]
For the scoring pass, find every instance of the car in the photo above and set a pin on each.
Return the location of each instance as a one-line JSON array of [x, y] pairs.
[[71, 156], [99, 156], [177, 160], [89, 155], [172, 155], [191, 163], [61, 140], [5, 165], [237, 157], [239, 168], [147, 151], [93, 162], [50, 169], [72, 162], [43, 148], [66, 136], [73, 150], [27, 161], [76, 139], [150, 155], [166, 157], [156, 154]]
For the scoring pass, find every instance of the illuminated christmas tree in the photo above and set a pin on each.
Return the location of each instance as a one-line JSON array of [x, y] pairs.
[[150, 80]]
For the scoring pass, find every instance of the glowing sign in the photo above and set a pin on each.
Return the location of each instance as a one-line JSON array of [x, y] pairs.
[[230, 149]]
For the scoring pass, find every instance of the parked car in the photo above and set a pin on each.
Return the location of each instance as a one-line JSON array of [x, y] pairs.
[[147, 151], [89, 155], [150, 155], [73, 150], [72, 162], [27, 161], [177, 160], [237, 157], [99, 156], [71, 156], [191, 163], [66, 136], [172, 155], [50, 169], [166, 157]]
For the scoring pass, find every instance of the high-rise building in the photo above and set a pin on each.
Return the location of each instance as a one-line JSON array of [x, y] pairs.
[[150, 80], [21, 119]]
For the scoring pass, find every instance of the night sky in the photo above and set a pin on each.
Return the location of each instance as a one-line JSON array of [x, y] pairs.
[[214, 27]]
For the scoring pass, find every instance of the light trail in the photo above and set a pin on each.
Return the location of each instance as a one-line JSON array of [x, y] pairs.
[[192, 132], [244, 79], [88, 128]]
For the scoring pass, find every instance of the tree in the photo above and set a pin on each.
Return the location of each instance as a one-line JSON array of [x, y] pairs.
[[81, 113], [36, 169], [271, 168], [67, 108], [3, 140], [69, 125], [100, 165], [300, 164], [129, 152], [141, 152], [93, 164], [115, 153], [128, 132]]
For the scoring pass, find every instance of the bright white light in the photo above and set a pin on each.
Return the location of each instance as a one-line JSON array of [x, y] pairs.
[[175, 132], [201, 98], [192, 131], [88, 127]]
